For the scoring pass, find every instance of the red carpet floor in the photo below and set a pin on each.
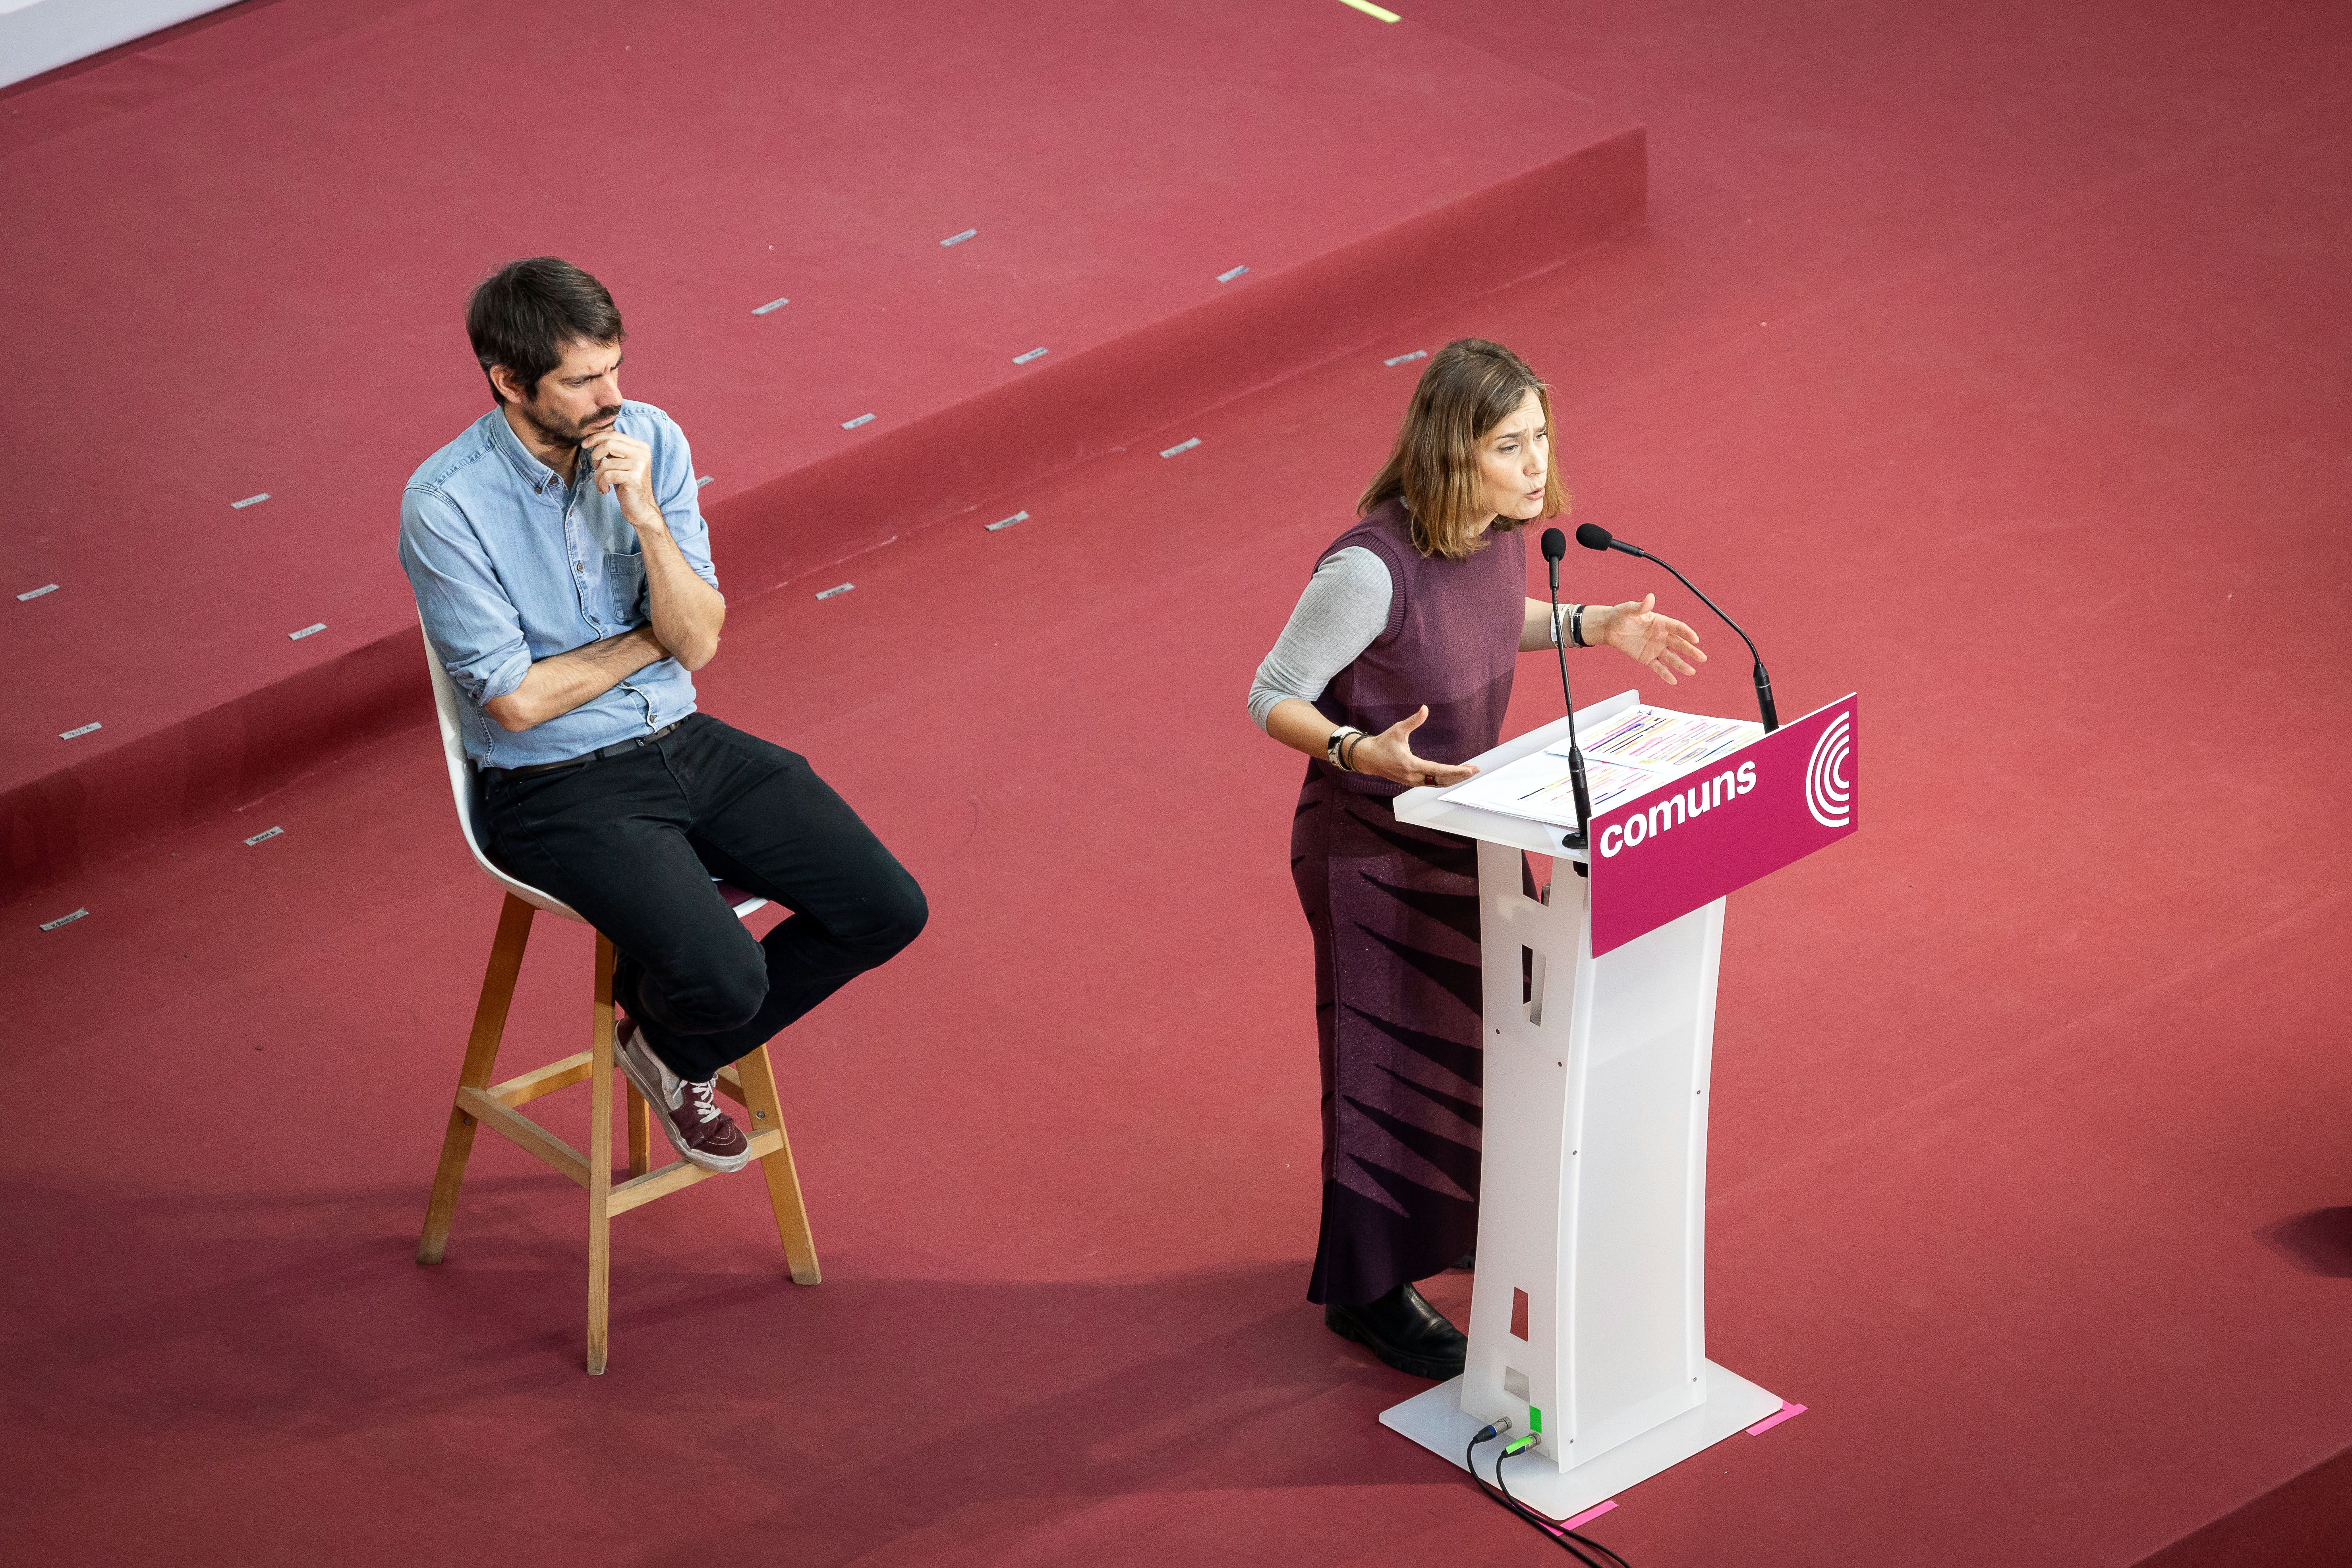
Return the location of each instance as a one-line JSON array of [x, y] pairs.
[[1991, 360]]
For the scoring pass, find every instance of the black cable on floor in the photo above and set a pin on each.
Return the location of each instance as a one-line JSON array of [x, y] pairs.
[[1548, 1524], [1558, 1534]]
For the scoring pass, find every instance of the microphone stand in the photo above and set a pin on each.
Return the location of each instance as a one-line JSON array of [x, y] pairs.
[[1575, 753], [1763, 681]]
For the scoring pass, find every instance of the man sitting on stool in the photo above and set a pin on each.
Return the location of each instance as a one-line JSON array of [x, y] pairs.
[[568, 602]]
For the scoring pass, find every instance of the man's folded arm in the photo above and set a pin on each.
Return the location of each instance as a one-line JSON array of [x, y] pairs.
[[554, 687], [478, 637]]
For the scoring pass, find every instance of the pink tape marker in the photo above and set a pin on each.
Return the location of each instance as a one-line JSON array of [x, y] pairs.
[[1786, 1411], [1589, 1515]]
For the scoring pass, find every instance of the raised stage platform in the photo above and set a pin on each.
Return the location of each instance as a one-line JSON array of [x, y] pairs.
[[257, 238]]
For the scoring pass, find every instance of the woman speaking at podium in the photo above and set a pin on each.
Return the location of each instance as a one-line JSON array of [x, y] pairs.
[[1400, 651]]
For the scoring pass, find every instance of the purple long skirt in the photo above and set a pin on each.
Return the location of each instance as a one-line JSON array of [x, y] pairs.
[[1394, 911]]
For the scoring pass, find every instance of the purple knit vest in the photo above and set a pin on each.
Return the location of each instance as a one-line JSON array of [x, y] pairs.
[[1452, 641]]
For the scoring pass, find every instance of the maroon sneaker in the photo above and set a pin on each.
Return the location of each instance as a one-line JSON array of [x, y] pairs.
[[687, 1112]]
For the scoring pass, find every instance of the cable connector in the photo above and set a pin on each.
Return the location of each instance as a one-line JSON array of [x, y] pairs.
[[1495, 1428], [1523, 1444]]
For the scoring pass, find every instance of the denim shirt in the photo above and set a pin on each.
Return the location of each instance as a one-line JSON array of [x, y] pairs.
[[512, 565]]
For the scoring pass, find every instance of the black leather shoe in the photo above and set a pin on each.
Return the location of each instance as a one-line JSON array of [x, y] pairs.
[[1406, 1331]]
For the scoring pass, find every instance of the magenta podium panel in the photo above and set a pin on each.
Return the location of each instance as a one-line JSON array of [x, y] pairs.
[[1774, 801]]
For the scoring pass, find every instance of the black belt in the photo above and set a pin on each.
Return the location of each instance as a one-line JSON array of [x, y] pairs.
[[615, 750]]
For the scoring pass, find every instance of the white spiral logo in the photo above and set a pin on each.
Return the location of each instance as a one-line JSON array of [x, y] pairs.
[[1828, 793]]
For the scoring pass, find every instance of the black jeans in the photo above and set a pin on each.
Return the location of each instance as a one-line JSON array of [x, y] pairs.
[[631, 843]]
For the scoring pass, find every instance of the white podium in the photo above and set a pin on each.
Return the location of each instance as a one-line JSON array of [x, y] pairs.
[[1588, 1313]]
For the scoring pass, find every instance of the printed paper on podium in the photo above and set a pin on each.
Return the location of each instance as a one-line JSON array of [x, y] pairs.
[[1627, 756]]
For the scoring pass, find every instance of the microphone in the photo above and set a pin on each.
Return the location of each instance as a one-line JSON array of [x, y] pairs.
[[1593, 536], [1555, 546]]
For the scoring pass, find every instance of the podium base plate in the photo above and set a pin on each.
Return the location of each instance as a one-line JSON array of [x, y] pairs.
[[1435, 1420]]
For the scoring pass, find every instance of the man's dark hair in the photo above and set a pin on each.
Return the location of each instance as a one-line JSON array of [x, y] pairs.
[[524, 315]]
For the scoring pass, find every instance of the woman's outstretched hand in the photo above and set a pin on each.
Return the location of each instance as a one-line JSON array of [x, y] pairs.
[[1655, 642], [1389, 755]]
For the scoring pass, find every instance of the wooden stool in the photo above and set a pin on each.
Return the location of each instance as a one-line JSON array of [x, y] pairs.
[[750, 1082]]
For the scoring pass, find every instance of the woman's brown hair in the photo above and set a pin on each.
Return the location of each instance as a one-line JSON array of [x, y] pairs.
[[1469, 388]]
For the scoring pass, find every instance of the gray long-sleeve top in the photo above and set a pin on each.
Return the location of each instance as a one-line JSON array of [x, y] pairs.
[[1344, 607]]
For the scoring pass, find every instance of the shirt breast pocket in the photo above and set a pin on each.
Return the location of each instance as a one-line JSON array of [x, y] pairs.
[[624, 576]]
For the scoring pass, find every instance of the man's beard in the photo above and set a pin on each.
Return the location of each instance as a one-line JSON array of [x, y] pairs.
[[557, 431]]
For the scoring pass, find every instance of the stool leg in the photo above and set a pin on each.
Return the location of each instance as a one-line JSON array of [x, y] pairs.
[[641, 1130], [600, 1159], [759, 1081], [482, 1059]]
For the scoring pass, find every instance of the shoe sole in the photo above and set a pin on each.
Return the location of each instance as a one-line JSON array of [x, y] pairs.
[[1412, 1365], [622, 1054]]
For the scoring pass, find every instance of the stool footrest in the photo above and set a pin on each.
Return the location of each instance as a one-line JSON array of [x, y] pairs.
[[486, 1105], [655, 1183]]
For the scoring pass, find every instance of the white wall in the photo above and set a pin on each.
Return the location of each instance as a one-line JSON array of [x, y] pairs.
[[36, 36]]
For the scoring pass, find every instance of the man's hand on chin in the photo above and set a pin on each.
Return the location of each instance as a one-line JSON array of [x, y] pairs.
[[624, 467]]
